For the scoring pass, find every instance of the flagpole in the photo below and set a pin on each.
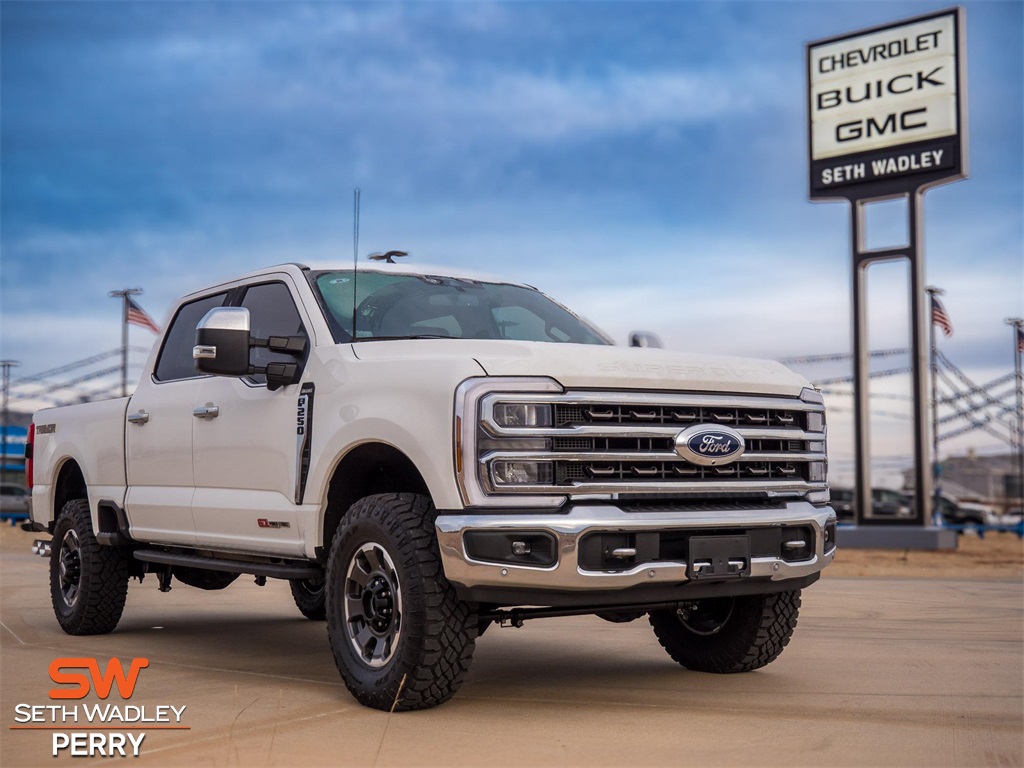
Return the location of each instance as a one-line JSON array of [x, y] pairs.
[[932, 292], [1018, 328], [124, 293]]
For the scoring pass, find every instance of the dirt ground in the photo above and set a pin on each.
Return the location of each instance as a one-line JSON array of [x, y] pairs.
[[997, 556]]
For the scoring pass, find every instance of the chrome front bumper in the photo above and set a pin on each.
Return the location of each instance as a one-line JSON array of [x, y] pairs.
[[569, 527]]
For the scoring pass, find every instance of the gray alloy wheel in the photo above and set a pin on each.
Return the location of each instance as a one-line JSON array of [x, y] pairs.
[[373, 604]]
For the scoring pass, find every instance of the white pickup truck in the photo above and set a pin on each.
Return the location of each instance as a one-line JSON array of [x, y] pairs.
[[421, 454]]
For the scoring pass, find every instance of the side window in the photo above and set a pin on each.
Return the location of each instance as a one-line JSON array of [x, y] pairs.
[[272, 312], [176, 356]]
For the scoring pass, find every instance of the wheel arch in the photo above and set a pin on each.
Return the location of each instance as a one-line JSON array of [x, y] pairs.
[[369, 468], [69, 484]]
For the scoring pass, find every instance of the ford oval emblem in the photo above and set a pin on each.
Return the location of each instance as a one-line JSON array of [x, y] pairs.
[[710, 446]]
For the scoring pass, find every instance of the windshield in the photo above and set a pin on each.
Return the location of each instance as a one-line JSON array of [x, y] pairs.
[[402, 306]]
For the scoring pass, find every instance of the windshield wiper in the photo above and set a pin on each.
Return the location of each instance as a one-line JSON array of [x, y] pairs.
[[401, 338]]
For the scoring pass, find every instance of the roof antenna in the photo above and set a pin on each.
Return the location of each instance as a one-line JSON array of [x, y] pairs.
[[355, 257]]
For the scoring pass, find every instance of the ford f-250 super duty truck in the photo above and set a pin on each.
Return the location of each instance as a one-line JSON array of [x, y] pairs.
[[422, 454]]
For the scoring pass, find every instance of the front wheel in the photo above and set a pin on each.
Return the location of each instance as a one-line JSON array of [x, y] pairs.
[[401, 637], [728, 634], [88, 582]]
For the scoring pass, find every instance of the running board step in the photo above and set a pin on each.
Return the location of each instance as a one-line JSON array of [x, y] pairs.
[[272, 570]]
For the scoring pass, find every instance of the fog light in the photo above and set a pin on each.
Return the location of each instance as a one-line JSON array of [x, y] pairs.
[[521, 548], [816, 472], [522, 415], [522, 472]]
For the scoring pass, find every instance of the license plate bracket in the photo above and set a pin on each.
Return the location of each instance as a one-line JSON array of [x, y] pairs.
[[719, 557]]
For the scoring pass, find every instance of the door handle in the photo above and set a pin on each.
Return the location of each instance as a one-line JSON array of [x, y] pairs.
[[206, 411], [138, 418]]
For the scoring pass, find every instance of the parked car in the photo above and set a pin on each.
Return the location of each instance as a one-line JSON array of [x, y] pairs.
[[14, 501], [956, 512], [885, 503], [1013, 516], [842, 503]]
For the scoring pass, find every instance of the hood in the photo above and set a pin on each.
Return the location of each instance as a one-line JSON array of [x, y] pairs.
[[584, 366]]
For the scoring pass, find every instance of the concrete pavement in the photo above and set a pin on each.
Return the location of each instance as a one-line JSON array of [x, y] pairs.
[[879, 672]]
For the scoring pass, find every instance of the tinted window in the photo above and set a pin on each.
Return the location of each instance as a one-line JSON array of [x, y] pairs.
[[407, 306], [272, 312], [176, 356]]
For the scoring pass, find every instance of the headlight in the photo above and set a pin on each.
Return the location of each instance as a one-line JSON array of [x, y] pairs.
[[522, 472], [815, 421], [500, 460], [521, 415]]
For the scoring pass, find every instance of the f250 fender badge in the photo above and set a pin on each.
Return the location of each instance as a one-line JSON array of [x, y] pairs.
[[710, 446], [264, 523], [303, 438]]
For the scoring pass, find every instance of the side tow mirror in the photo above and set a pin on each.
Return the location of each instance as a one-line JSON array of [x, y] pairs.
[[645, 339], [222, 342]]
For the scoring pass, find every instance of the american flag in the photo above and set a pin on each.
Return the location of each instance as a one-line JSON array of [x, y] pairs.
[[1020, 339], [940, 318], [137, 316]]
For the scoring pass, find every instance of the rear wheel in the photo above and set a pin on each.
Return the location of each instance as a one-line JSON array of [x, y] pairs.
[[401, 637], [88, 582], [310, 598], [728, 634]]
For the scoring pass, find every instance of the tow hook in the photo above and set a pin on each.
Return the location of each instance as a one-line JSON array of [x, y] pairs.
[[41, 548]]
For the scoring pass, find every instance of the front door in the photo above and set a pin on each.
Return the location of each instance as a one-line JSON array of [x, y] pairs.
[[246, 446]]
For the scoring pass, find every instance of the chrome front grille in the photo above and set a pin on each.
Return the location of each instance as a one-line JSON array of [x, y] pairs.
[[625, 443], [570, 472], [572, 414]]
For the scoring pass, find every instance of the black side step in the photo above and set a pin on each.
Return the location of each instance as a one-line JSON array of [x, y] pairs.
[[273, 570]]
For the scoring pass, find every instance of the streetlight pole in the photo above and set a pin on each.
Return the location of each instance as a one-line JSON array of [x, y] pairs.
[[123, 294], [1017, 324], [6, 365]]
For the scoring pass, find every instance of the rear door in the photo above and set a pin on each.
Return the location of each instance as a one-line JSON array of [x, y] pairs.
[[159, 435]]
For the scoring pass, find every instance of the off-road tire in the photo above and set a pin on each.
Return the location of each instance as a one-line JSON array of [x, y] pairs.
[[436, 632], [98, 574], [310, 598], [730, 634]]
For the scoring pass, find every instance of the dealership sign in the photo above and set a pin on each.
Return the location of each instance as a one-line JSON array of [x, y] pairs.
[[887, 108]]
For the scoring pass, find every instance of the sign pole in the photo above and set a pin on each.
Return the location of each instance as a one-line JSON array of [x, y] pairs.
[[861, 369], [922, 510]]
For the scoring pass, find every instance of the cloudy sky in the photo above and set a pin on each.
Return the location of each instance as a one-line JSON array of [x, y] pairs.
[[643, 162]]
